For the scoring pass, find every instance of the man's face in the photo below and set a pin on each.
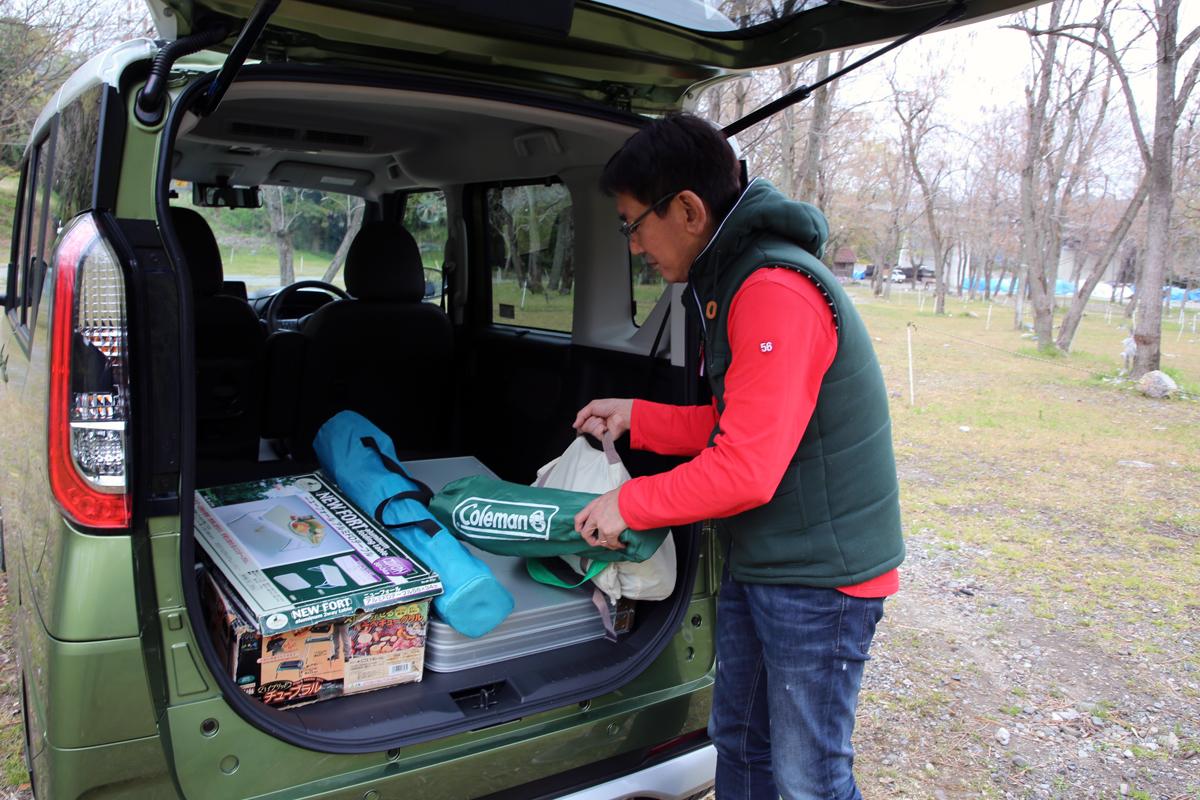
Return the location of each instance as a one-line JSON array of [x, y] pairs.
[[669, 243]]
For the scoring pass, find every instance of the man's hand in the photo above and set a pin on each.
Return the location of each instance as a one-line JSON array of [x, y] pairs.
[[600, 522], [611, 414]]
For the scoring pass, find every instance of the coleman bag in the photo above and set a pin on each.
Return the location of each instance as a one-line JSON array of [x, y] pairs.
[[361, 459], [511, 519]]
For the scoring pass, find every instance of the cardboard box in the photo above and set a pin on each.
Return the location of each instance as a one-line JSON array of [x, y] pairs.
[[319, 662], [296, 553]]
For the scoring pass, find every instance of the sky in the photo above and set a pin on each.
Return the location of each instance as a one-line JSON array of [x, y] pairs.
[[990, 63]]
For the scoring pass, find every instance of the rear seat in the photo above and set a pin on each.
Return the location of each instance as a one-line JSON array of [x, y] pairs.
[[230, 343]]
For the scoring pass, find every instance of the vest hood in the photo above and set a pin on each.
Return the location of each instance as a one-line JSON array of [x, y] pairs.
[[763, 210]]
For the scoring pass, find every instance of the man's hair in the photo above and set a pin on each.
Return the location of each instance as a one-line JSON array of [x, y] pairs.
[[677, 152]]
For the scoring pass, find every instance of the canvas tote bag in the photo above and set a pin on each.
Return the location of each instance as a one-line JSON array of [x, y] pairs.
[[583, 468]]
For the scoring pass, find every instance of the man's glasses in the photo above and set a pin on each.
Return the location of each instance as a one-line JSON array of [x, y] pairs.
[[628, 229]]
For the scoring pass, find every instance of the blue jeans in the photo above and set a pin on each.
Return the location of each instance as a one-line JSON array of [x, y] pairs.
[[789, 665]]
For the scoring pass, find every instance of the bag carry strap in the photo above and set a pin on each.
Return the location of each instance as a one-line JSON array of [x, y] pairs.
[[610, 451], [537, 569], [422, 494]]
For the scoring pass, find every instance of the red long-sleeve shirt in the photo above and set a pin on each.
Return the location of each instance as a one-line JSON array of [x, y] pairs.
[[783, 340]]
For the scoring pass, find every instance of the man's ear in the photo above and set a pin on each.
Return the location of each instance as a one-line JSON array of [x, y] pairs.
[[696, 213]]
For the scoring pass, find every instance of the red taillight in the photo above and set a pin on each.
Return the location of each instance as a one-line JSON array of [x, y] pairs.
[[89, 381]]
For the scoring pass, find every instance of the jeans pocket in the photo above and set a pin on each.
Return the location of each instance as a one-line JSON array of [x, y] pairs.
[[872, 614]]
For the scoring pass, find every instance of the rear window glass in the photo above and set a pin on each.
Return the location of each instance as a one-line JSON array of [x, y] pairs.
[[296, 235], [715, 16], [530, 251]]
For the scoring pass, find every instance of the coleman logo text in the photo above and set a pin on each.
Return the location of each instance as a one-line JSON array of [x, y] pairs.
[[485, 518]]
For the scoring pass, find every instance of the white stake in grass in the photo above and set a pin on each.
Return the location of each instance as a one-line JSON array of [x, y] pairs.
[[989, 319], [524, 288], [912, 387]]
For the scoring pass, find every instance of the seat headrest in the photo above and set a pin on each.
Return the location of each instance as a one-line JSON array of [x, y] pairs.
[[201, 250], [384, 263]]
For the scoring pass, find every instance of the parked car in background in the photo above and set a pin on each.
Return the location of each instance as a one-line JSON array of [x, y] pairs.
[[137, 367]]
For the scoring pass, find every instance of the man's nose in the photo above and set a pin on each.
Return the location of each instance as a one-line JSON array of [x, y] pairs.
[[635, 246]]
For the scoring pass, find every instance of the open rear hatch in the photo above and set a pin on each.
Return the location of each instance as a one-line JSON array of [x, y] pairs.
[[633, 54]]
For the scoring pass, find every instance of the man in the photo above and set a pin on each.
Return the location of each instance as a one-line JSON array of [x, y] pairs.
[[793, 458]]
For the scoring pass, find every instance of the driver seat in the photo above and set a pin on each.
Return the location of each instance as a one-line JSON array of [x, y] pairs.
[[383, 353]]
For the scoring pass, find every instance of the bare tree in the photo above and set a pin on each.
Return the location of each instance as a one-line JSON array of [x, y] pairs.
[[1065, 112], [354, 207], [283, 209], [915, 110], [1157, 152], [41, 43]]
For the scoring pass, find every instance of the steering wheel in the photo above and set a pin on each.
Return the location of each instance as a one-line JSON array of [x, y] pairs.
[[280, 300]]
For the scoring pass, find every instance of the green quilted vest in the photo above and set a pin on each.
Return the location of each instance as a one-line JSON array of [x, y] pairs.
[[834, 520]]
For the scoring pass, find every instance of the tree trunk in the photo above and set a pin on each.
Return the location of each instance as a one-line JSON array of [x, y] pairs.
[[563, 235], [353, 223], [533, 271], [273, 197], [818, 128], [1017, 290], [1147, 329], [787, 136], [1070, 323]]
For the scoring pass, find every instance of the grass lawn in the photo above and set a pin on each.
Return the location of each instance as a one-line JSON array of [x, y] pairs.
[[1082, 491], [552, 311]]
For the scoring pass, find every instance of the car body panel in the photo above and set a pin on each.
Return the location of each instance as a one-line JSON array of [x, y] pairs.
[[134, 768], [455, 768]]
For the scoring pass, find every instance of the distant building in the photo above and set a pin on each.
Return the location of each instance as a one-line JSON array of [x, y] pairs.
[[843, 261]]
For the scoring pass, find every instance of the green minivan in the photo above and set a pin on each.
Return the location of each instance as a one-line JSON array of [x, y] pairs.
[[146, 352]]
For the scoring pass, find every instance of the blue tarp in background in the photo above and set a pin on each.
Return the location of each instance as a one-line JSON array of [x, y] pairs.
[[1061, 288]]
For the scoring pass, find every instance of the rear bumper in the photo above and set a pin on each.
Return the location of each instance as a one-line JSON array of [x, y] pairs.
[[685, 776]]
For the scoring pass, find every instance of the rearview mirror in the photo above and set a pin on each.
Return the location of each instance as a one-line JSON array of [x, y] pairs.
[[214, 195]]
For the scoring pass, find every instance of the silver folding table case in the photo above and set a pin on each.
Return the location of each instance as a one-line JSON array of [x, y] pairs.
[[543, 617]]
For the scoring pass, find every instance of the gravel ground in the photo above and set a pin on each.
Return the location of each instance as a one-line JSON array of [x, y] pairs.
[[971, 695]]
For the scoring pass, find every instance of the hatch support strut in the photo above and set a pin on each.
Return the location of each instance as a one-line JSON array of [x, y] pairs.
[[237, 56], [801, 93]]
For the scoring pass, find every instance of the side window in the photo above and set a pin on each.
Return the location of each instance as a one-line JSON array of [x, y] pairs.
[[16, 284], [41, 235], [530, 252], [646, 287], [30, 264], [74, 160], [12, 192], [425, 219]]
